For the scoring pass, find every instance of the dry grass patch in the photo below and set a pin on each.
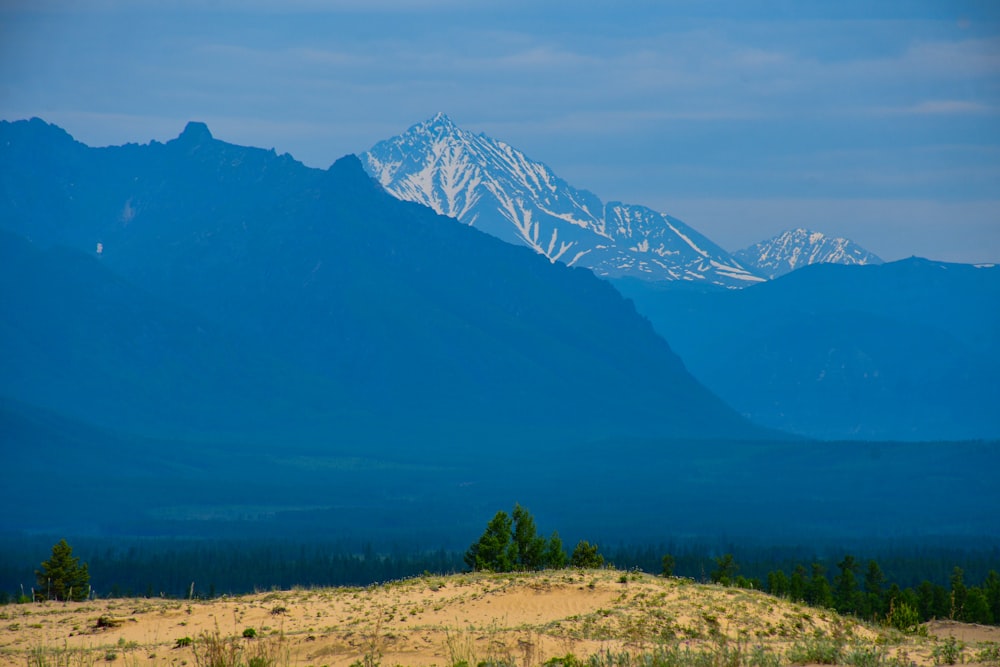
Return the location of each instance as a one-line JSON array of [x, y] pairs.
[[566, 618]]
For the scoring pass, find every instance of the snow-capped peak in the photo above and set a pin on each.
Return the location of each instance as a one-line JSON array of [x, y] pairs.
[[800, 247], [442, 119], [496, 188]]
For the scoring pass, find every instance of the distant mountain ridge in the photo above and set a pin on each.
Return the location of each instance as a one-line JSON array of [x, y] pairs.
[[795, 248], [365, 305], [900, 351], [489, 185]]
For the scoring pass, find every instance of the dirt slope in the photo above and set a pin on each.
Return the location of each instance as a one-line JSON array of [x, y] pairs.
[[522, 619]]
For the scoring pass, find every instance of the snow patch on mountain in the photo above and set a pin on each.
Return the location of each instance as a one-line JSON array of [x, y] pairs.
[[492, 186], [796, 248]]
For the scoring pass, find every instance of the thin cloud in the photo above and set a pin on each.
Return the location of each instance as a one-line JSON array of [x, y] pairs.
[[239, 6], [950, 107], [933, 108], [965, 58]]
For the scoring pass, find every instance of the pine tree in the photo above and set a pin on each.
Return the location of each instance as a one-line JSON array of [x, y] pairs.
[[846, 598], [495, 549], [874, 579], [777, 583], [667, 563], [586, 556], [725, 570], [991, 587], [62, 577], [925, 600], [818, 593], [977, 608], [958, 594], [797, 585], [555, 556], [529, 546]]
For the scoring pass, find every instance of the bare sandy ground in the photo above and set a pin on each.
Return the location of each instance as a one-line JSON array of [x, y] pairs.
[[524, 619]]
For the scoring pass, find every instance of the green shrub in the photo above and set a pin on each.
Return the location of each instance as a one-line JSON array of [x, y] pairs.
[[816, 651], [904, 618], [864, 656], [989, 654], [568, 660], [948, 652], [586, 556]]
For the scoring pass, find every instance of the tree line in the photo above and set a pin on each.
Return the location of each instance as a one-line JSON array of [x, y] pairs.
[[910, 590], [208, 569], [862, 589], [511, 543]]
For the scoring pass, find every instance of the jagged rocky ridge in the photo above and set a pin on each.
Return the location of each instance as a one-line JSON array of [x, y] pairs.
[[492, 186], [800, 247]]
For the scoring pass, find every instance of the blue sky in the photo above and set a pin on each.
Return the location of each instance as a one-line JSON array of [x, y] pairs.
[[879, 121]]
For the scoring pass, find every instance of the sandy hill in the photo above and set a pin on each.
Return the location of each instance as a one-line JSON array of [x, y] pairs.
[[515, 619]]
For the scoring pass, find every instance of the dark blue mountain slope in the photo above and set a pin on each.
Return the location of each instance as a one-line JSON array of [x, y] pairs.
[[412, 320], [907, 350]]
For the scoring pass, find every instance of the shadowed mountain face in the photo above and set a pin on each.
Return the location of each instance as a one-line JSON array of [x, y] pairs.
[[248, 283], [905, 350]]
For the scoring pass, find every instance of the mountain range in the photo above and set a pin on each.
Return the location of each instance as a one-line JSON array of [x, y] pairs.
[[818, 355], [496, 188], [209, 339], [800, 247], [900, 351], [493, 187]]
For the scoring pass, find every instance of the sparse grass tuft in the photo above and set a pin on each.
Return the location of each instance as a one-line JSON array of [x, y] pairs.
[[949, 652], [816, 650], [42, 656], [211, 649]]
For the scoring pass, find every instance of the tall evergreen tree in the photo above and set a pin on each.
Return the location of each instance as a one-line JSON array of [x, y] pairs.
[[667, 563], [797, 586], [942, 602], [555, 556], [958, 594], [846, 583], [777, 583], [62, 577], [893, 597], [495, 549], [977, 609], [873, 607], [925, 600], [991, 588], [529, 546], [725, 570], [818, 593], [586, 556]]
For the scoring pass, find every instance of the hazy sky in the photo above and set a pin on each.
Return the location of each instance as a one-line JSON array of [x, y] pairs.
[[875, 120]]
